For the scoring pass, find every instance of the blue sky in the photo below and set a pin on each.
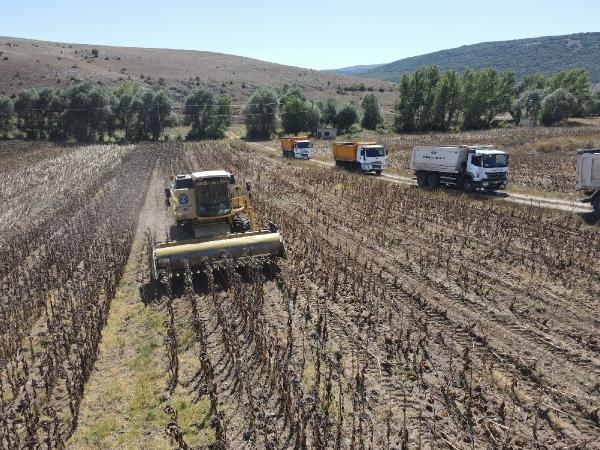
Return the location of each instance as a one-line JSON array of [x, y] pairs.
[[307, 33]]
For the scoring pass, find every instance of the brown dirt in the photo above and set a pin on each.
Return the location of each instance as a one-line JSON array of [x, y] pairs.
[[428, 326], [401, 317], [33, 63]]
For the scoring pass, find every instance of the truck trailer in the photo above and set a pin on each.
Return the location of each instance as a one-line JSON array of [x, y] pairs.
[[468, 167], [360, 156], [296, 147], [588, 176]]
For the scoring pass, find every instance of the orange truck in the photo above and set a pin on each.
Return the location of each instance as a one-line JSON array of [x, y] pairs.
[[360, 156], [296, 147]]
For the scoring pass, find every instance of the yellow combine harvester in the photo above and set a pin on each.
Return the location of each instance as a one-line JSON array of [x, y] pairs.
[[214, 222]]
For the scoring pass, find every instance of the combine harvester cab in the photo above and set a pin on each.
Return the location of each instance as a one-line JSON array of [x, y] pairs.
[[215, 223]]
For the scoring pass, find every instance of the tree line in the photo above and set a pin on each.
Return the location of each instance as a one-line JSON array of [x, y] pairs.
[[86, 113], [288, 109], [430, 100]]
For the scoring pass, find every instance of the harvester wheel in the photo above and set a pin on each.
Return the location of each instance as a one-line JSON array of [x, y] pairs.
[[421, 179], [241, 223]]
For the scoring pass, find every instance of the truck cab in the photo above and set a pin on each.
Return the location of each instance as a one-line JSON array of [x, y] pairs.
[[303, 149], [299, 147], [371, 158], [487, 167]]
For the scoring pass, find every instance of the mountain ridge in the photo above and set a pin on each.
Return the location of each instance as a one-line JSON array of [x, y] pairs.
[[546, 54]]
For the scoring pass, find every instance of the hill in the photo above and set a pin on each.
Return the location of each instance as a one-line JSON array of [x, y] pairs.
[[549, 54], [28, 63], [354, 70]]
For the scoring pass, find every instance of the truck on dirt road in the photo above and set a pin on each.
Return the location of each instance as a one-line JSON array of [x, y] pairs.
[[298, 147], [360, 156], [588, 176], [468, 167]]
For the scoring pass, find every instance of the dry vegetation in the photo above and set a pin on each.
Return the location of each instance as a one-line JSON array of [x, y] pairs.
[[28, 63], [401, 318]]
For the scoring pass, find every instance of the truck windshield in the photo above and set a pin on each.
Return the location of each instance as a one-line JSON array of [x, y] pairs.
[[375, 151], [498, 160], [212, 198], [303, 145]]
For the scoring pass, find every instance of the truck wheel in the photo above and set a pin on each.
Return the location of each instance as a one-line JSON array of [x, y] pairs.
[[421, 179], [433, 180], [596, 203], [378, 173], [466, 185]]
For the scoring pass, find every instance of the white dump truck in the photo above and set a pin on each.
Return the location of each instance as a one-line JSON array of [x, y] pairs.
[[469, 167], [588, 176]]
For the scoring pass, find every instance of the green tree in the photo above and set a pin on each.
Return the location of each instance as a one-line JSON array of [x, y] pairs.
[[209, 117], [88, 108], [198, 111], [557, 106], [404, 118], [576, 83], [424, 83], [222, 119], [594, 105], [49, 105], [288, 91], [531, 102], [446, 101], [329, 112], [346, 117], [126, 108], [502, 92], [485, 94], [25, 106], [154, 113], [313, 119], [372, 116], [293, 114], [471, 100], [516, 111], [261, 114], [6, 113], [532, 82]]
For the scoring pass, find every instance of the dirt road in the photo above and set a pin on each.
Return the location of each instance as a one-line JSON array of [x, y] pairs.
[[536, 201]]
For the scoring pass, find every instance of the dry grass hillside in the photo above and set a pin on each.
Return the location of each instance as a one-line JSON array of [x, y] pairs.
[[30, 63]]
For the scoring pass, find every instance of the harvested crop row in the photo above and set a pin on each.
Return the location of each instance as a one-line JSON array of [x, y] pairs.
[[451, 307], [58, 293]]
